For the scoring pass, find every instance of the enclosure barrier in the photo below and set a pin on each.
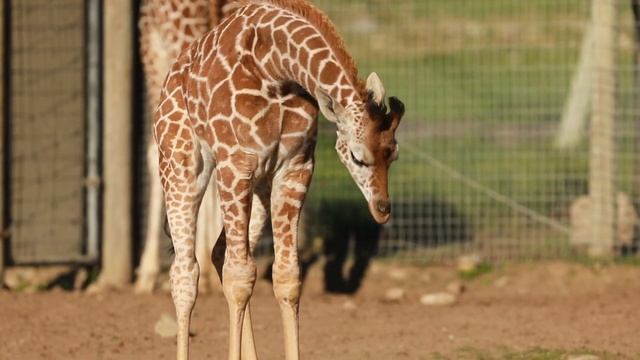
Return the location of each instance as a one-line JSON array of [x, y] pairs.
[[490, 88], [602, 166], [49, 122], [3, 143]]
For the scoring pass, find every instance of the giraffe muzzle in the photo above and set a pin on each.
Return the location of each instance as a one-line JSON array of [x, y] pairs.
[[380, 210], [384, 206]]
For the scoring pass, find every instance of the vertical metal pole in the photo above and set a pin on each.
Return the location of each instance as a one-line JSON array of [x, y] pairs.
[[635, 7], [3, 144], [602, 150], [117, 195], [93, 127]]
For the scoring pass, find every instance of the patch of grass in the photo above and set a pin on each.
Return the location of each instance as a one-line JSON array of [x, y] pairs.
[[515, 170], [437, 356], [94, 273], [481, 269], [466, 97], [21, 287], [628, 261], [539, 354], [554, 354], [590, 262], [25, 286], [470, 353], [475, 354]]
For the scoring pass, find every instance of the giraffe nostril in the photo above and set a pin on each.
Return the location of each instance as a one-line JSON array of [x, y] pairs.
[[384, 206]]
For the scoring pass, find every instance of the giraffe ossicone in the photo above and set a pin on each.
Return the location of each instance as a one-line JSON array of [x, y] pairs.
[[240, 104]]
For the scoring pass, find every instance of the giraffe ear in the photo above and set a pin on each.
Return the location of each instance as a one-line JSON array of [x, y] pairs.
[[329, 108], [375, 87]]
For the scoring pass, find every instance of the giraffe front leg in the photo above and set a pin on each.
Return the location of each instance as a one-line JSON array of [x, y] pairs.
[[209, 229], [248, 350], [248, 344], [288, 196], [149, 268], [235, 186], [258, 218]]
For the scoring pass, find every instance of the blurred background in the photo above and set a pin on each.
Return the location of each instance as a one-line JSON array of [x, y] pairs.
[[519, 141], [515, 199]]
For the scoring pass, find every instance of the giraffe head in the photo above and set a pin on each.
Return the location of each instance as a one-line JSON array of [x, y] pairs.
[[366, 142]]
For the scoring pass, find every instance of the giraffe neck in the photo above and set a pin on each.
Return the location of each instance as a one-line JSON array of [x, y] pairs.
[[166, 28], [288, 47]]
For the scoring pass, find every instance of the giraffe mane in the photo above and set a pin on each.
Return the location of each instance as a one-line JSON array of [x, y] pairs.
[[327, 29]]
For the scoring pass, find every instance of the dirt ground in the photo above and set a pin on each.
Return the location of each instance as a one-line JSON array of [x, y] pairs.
[[512, 309]]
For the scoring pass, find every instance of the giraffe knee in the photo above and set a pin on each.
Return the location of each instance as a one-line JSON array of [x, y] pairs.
[[238, 282], [184, 275], [184, 269], [286, 284]]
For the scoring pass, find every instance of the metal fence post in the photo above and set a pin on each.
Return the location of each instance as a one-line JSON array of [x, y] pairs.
[[602, 147], [635, 8], [2, 143], [94, 37], [118, 67]]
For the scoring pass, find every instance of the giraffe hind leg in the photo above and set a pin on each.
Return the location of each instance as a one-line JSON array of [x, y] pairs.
[[256, 225], [182, 198], [185, 168], [239, 268], [289, 192]]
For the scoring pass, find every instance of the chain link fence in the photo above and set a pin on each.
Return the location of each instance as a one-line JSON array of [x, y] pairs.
[[49, 120], [496, 146]]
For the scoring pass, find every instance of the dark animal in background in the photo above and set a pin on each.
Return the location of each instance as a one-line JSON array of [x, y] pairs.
[[343, 225], [340, 232]]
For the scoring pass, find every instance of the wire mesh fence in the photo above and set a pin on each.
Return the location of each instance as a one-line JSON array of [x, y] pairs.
[[497, 154], [489, 87], [47, 127], [497, 147]]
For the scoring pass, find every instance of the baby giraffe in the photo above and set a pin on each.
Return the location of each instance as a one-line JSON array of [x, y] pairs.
[[241, 103]]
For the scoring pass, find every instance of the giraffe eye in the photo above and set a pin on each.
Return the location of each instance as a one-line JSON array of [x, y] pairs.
[[356, 160], [391, 154]]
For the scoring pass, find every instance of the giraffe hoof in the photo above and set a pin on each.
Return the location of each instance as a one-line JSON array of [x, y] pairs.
[[145, 284]]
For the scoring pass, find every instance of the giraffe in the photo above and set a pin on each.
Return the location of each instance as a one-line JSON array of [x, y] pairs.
[[166, 28], [240, 104]]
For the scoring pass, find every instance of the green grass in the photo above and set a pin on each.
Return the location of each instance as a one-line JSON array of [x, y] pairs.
[[484, 83], [476, 272], [469, 353], [594, 263], [528, 173]]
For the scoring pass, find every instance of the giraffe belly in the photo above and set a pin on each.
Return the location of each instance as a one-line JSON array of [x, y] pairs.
[[282, 153]]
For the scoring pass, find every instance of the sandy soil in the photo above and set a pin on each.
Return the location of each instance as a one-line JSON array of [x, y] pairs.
[[511, 309]]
